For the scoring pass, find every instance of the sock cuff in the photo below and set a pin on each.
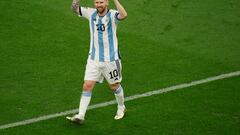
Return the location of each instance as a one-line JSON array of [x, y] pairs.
[[86, 93], [118, 90]]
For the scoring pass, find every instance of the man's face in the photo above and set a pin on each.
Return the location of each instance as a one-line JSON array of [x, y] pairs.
[[101, 5]]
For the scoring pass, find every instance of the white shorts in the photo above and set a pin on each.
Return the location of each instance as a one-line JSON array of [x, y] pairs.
[[97, 71]]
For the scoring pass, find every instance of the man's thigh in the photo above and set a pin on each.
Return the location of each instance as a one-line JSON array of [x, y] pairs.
[[92, 72], [112, 71]]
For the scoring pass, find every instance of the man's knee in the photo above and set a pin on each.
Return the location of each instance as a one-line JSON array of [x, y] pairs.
[[88, 85], [114, 86]]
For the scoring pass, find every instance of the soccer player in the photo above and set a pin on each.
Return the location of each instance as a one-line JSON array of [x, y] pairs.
[[104, 58]]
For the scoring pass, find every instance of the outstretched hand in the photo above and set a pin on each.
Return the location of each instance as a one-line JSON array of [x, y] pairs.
[[75, 6]]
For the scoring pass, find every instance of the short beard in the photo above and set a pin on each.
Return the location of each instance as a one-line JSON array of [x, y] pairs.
[[101, 11]]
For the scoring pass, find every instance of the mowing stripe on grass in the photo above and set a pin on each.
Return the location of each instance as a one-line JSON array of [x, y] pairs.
[[147, 94]]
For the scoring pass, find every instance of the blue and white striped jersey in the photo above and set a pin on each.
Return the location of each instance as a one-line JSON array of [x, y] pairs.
[[104, 42]]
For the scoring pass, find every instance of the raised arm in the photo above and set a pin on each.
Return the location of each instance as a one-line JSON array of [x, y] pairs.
[[75, 7], [122, 12]]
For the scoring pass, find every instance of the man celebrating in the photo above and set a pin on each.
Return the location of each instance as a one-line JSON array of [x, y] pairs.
[[104, 58]]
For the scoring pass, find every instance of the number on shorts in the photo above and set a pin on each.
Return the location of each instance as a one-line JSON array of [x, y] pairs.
[[113, 74]]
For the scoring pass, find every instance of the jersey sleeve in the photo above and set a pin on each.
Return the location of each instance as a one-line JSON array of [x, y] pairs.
[[86, 12], [115, 16]]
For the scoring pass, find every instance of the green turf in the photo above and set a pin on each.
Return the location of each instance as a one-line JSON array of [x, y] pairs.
[[211, 108], [44, 48]]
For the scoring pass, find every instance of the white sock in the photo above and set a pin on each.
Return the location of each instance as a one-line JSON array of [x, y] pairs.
[[84, 102], [119, 96]]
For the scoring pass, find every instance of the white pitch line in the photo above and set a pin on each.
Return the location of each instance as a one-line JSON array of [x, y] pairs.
[[99, 105]]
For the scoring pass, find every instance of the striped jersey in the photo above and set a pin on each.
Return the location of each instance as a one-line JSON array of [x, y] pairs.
[[104, 42]]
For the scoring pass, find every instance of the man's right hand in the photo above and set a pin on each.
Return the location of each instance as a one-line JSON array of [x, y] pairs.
[[75, 6]]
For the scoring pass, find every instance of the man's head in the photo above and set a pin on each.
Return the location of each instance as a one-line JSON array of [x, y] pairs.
[[101, 5]]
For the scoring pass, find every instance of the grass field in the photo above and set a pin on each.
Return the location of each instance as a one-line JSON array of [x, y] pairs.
[[44, 48]]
